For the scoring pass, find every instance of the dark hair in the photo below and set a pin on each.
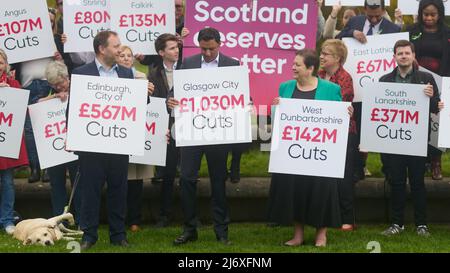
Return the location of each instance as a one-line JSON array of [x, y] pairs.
[[310, 58], [208, 34], [161, 41], [440, 7], [374, 4], [101, 39], [404, 43]]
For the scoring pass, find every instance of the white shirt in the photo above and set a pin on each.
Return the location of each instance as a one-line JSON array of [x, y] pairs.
[[212, 64], [375, 30], [112, 73]]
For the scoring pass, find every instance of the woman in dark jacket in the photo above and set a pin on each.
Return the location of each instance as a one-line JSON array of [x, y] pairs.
[[431, 38]]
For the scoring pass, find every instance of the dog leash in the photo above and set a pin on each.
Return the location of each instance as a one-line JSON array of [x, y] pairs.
[[74, 187]]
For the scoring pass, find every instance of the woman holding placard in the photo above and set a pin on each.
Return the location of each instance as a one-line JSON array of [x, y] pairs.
[[306, 200], [136, 173], [431, 39], [7, 165], [332, 58], [57, 75]]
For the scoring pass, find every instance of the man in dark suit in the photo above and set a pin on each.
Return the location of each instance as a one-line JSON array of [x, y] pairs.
[[96, 168], [372, 23], [359, 27], [167, 47], [216, 155]]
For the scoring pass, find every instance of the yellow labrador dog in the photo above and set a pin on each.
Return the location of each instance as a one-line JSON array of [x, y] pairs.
[[45, 231]]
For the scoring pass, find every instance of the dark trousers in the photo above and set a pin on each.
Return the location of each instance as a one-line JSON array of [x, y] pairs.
[[216, 156], [170, 171], [346, 185], [134, 201], [359, 160], [95, 169], [236, 153], [413, 168], [59, 195]]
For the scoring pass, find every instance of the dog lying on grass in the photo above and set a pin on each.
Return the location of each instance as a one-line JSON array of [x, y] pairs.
[[45, 232]]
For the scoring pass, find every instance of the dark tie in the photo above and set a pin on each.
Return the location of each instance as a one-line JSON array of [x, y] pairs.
[[370, 32]]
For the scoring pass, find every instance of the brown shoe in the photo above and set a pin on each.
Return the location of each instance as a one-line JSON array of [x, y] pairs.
[[134, 228], [436, 171]]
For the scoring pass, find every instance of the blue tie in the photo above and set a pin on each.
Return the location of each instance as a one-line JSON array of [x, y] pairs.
[[370, 32]]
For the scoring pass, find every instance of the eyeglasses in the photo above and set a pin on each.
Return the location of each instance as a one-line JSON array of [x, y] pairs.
[[52, 11]]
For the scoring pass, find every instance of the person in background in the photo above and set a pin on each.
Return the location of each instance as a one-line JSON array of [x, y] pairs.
[[57, 76], [300, 199], [408, 166], [162, 77], [32, 77], [137, 173], [7, 165], [332, 59], [330, 31], [431, 39]]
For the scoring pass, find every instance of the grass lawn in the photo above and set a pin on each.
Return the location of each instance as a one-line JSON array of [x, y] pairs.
[[255, 163], [251, 237]]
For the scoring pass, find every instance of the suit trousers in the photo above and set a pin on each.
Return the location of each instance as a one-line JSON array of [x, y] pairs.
[[95, 169], [216, 156], [413, 168]]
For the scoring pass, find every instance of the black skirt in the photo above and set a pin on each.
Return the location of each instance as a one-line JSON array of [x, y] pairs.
[[308, 200]]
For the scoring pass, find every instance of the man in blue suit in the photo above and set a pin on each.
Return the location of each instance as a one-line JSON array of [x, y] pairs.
[[372, 23], [96, 168]]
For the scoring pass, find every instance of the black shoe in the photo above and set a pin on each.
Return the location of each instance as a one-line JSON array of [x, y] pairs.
[[85, 245], [157, 180], [224, 241], [272, 224], [45, 176], [121, 243], [35, 176], [185, 238]]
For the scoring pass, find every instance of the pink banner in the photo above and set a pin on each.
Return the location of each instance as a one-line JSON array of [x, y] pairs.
[[262, 34]]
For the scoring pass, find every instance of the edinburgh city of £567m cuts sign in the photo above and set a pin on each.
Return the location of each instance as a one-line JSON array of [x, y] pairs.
[[82, 21], [48, 119], [107, 115], [155, 134], [310, 138], [214, 106], [139, 23], [25, 30], [444, 122], [395, 119], [366, 63], [13, 108]]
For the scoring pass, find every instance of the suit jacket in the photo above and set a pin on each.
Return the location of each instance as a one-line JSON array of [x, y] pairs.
[[357, 23]]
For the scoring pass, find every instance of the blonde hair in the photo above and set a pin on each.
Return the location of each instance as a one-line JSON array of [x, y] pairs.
[[125, 47], [338, 49], [55, 71], [5, 58]]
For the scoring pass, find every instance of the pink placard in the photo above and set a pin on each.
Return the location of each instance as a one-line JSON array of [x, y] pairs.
[[263, 35]]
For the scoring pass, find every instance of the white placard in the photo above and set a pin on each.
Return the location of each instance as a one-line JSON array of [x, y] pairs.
[[155, 134], [395, 119], [13, 108], [411, 7], [82, 21], [25, 30], [48, 119], [444, 121], [107, 115], [139, 23], [354, 3], [310, 138], [367, 62], [434, 135], [214, 106]]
